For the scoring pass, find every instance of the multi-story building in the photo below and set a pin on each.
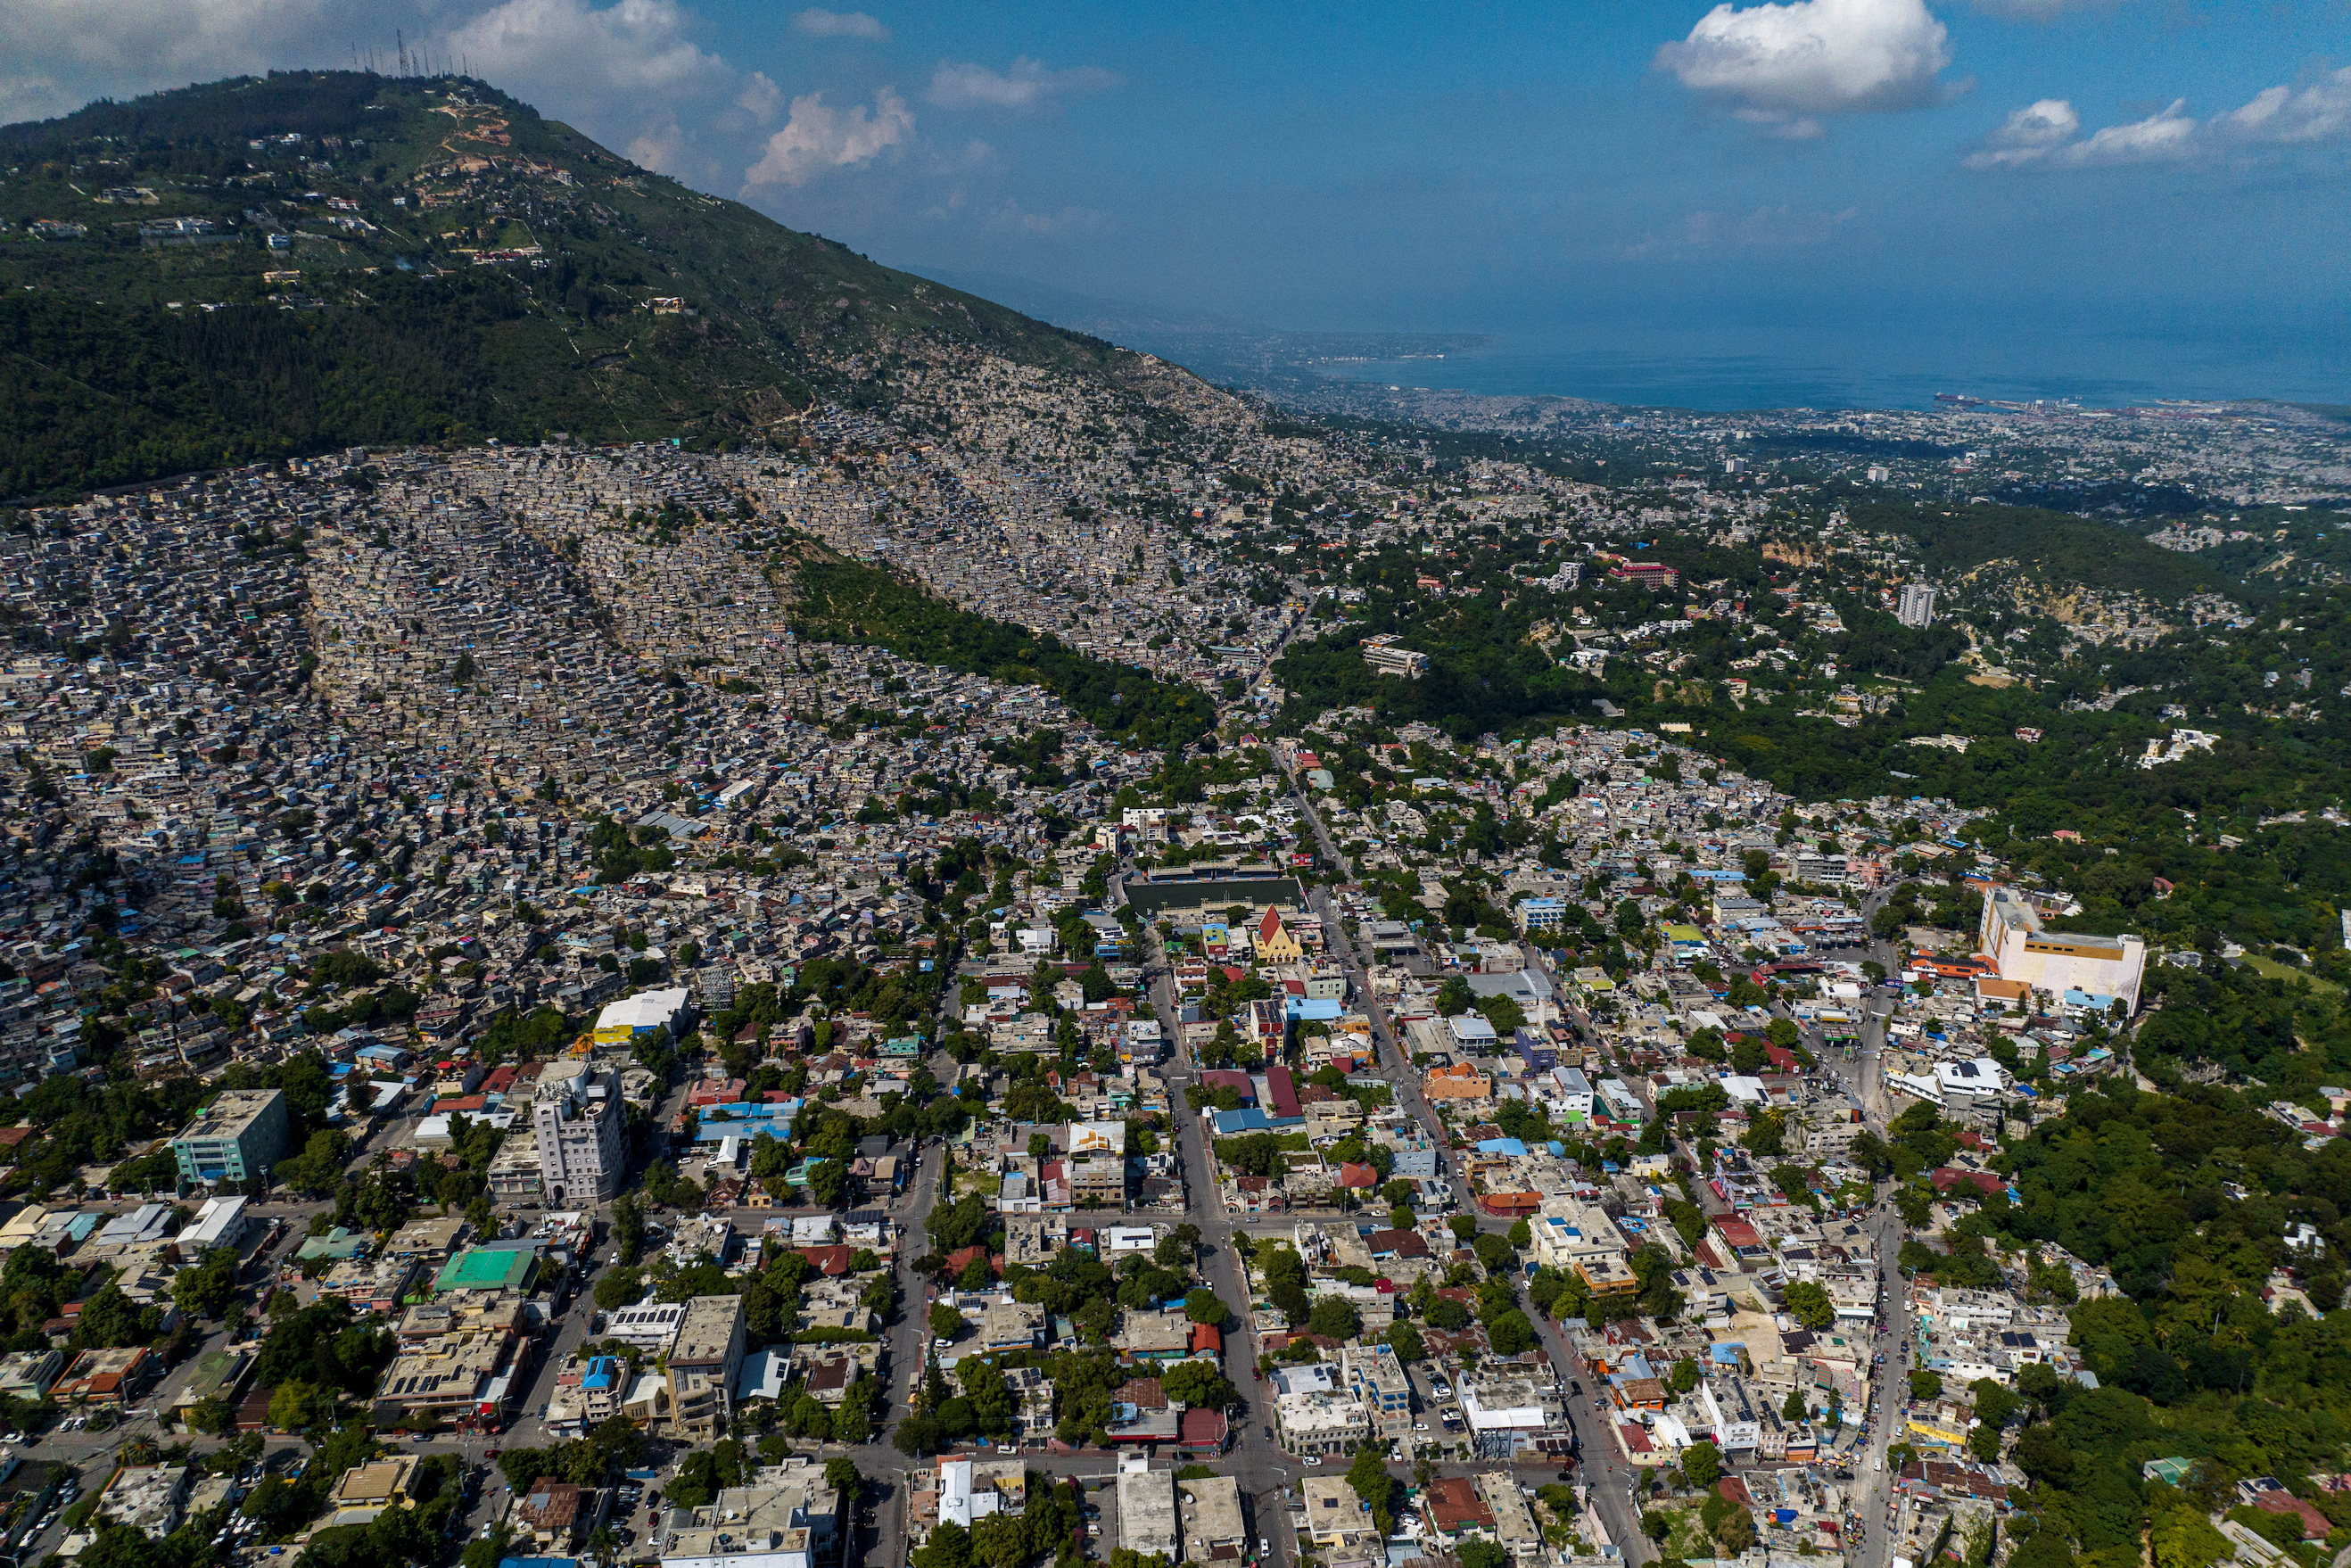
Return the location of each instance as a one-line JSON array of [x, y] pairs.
[[1377, 1377], [1917, 605], [2101, 970], [579, 1120], [702, 1361], [237, 1137], [785, 1517]]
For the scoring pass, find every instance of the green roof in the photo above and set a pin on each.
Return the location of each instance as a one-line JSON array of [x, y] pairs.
[[487, 1269], [338, 1244]]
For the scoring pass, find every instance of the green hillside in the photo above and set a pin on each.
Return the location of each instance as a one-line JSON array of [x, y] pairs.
[[2054, 547], [446, 265]]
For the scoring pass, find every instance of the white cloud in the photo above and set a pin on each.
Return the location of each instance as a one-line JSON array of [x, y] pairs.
[[818, 23], [2319, 113], [622, 73], [760, 97], [2048, 134], [818, 138], [123, 47], [1788, 64], [1026, 85], [2029, 134]]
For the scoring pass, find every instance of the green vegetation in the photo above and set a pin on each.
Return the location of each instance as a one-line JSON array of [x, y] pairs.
[[849, 602], [419, 314]]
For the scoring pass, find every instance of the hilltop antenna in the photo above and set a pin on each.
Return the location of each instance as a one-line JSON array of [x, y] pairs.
[[401, 40]]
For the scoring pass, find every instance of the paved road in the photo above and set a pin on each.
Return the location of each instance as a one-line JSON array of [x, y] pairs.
[[1607, 1480]]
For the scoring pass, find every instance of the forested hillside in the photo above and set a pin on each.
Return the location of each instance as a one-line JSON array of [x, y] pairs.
[[269, 266]]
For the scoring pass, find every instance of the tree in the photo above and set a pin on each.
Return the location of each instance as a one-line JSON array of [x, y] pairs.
[[1368, 1476], [1335, 1318], [1476, 1553], [840, 1474], [1406, 1341], [1793, 1408], [916, 1435], [1810, 1305], [946, 1321], [1511, 1334], [1198, 1384], [298, 1407], [1203, 1305], [1702, 1464], [628, 1227], [619, 1288], [1925, 1384], [207, 1289]]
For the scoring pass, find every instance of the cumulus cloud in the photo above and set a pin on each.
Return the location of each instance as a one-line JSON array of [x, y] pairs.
[[62, 53], [1786, 66], [760, 97], [1026, 85], [619, 72], [819, 138], [2048, 134], [818, 23]]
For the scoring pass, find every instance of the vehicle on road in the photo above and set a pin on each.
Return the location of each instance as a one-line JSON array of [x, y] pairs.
[[1312, 1461]]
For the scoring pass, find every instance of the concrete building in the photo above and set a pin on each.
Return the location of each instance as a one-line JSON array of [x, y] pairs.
[[1338, 1524], [1514, 1522], [579, 1120], [1321, 1422], [1917, 605], [148, 1498], [237, 1137], [1378, 1379], [703, 1362], [2011, 936], [650, 1327], [1208, 1514], [785, 1517], [1146, 1508]]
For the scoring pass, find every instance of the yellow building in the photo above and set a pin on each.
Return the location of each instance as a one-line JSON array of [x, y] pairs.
[[1275, 944]]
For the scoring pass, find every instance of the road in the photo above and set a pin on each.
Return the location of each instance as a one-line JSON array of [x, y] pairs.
[[1606, 1478]]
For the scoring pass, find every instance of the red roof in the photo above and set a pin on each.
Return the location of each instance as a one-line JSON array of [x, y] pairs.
[[1281, 1091], [1737, 1231], [1207, 1336], [1203, 1428], [828, 1260], [1354, 1174]]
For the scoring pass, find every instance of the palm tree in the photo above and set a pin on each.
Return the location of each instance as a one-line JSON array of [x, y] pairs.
[[603, 1543]]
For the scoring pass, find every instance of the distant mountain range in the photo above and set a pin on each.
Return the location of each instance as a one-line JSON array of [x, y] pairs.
[[270, 266]]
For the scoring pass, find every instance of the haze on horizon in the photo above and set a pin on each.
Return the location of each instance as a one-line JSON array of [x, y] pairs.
[[2114, 165]]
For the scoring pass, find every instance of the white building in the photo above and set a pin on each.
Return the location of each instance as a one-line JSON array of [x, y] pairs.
[[1917, 606], [2058, 962], [580, 1121]]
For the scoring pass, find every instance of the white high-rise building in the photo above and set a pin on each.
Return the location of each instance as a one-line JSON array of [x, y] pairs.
[[581, 1125], [1917, 606]]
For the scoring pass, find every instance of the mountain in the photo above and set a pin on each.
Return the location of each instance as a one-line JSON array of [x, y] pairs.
[[267, 266]]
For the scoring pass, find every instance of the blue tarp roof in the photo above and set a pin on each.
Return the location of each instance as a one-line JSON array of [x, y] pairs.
[[1253, 1121], [1509, 1148]]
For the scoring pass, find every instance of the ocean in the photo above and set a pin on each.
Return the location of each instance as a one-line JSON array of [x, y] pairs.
[[1722, 369]]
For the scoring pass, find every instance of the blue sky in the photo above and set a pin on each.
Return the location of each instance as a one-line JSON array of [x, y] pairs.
[[1448, 167]]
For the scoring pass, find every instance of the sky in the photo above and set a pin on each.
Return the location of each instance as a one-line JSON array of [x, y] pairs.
[[1831, 165]]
